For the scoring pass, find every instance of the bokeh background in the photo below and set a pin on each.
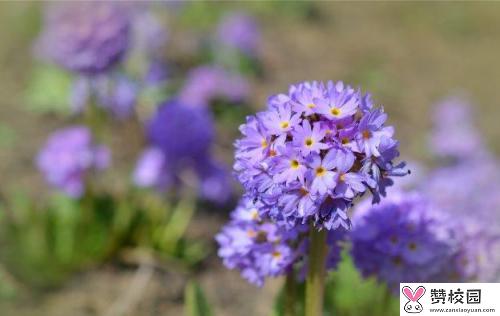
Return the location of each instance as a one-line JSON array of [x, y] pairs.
[[408, 55]]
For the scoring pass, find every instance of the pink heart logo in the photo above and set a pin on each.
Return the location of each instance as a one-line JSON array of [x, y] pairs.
[[414, 296]]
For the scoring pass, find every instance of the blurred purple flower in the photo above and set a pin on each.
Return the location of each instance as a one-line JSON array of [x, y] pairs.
[[454, 134], [180, 138], [468, 192], [117, 94], [405, 239], [68, 156], [239, 31], [85, 37], [208, 83]]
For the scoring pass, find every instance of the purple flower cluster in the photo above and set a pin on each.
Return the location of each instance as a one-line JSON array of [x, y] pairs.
[[406, 239], [115, 93], [208, 83], [86, 37], [313, 151], [240, 32], [68, 156], [259, 248], [454, 134], [180, 138]]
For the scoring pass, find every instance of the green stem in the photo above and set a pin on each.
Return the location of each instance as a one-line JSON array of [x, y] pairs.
[[290, 294], [315, 282]]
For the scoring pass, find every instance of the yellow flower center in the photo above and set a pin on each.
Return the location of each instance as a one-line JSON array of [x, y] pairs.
[[276, 254], [254, 215], [309, 142], [320, 171], [366, 134], [311, 105], [342, 177], [263, 143], [345, 141], [285, 124], [335, 111], [294, 164]]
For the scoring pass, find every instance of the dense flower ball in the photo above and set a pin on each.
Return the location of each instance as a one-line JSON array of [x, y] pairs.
[[405, 239], [240, 32], [68, 156], [313, 151], [454, 134], [86, 37], [258, 248], [180, 138], [208, 83]]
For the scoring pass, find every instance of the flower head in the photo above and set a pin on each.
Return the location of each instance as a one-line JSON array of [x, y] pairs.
[[86, 37], [313, 151], [259, 248], [68, 156], [405, 239]]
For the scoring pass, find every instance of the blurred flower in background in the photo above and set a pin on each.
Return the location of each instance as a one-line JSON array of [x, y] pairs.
[[116, 94], [206, 84], [405, 239], [180, 138], [238, 31], [68, 157], [86, 37], [454, 135]]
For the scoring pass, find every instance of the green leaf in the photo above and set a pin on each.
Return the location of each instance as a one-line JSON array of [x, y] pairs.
[[195, 303], [48, 90]]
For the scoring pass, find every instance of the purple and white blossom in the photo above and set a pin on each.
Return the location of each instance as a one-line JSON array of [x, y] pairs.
[[313, 151]]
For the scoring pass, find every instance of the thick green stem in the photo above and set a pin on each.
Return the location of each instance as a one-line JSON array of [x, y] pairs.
[[315, 282], [290, 294]]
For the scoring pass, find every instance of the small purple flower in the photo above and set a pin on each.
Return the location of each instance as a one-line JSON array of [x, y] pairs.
[[279, 121], [240, 32], [86, 37], [339, 103], [322, 172], [313, 151], [68, 156], [309, 139], [306, 95], [206, 84]]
